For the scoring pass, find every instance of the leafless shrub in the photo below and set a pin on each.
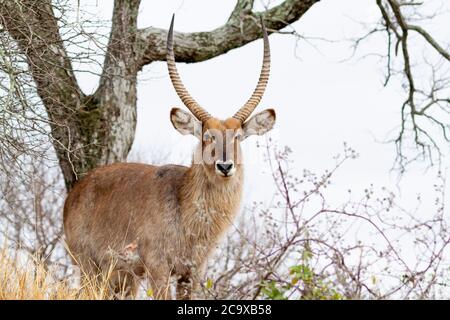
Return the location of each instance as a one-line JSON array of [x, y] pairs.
[[31, 200], [299, 246], [302, 247]]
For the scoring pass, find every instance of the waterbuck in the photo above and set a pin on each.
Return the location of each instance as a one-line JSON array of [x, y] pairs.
[[163, 221]]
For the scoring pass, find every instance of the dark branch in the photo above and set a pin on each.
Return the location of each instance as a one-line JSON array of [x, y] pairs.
[[419, 100], [430, 40]]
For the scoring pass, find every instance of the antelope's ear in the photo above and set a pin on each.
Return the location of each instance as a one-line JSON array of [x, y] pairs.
[[259, 124], [185, 123]]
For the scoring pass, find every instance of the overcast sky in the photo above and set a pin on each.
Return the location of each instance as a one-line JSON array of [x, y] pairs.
[[320, 102]]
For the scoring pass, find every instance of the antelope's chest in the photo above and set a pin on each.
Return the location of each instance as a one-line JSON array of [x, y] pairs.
[[206, 215]]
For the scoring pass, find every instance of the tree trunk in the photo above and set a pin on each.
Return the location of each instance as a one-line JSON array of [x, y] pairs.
[[87, 130], [109, 119], [98, 129]]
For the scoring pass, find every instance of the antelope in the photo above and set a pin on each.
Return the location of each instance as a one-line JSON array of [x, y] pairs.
[[161, 222]]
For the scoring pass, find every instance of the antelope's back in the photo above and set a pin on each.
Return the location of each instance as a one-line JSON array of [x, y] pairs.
[[119, 204]]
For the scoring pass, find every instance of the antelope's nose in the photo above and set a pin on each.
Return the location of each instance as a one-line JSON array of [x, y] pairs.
[[225, 167]]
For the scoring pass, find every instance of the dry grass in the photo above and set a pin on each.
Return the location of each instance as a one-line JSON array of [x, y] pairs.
[[25, 278]]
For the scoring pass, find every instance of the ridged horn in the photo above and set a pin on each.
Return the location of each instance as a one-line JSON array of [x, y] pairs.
[[254, 100], [200, 113]]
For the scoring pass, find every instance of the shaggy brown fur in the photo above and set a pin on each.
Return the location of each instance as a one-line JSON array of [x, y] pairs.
[[174, 213], [159, 221]]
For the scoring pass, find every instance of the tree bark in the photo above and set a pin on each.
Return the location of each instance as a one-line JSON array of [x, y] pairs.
[[241, 28], [92, 130], [116, 95]]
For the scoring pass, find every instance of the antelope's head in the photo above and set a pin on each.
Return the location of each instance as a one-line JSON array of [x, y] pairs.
[[219, 146]]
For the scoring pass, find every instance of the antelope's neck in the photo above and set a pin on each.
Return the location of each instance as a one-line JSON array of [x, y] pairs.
[[208, 208]]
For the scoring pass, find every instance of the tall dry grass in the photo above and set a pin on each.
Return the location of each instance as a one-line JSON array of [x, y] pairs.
[[22, 277]]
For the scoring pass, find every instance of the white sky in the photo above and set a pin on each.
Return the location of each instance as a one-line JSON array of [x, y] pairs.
[[320, 102]]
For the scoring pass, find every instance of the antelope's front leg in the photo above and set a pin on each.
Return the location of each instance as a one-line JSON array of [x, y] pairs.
[[188, 283], [160, 286], [184, 287], [159, 279]]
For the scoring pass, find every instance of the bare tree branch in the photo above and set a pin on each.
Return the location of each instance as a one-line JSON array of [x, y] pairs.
[[420, 100], [34, 26], [241, 28], [430, 40]]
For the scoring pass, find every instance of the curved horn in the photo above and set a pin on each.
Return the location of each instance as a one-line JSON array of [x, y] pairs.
[[184, 95], [254, 100]]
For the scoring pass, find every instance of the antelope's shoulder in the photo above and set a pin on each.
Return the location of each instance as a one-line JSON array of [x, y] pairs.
[[173, 171]]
